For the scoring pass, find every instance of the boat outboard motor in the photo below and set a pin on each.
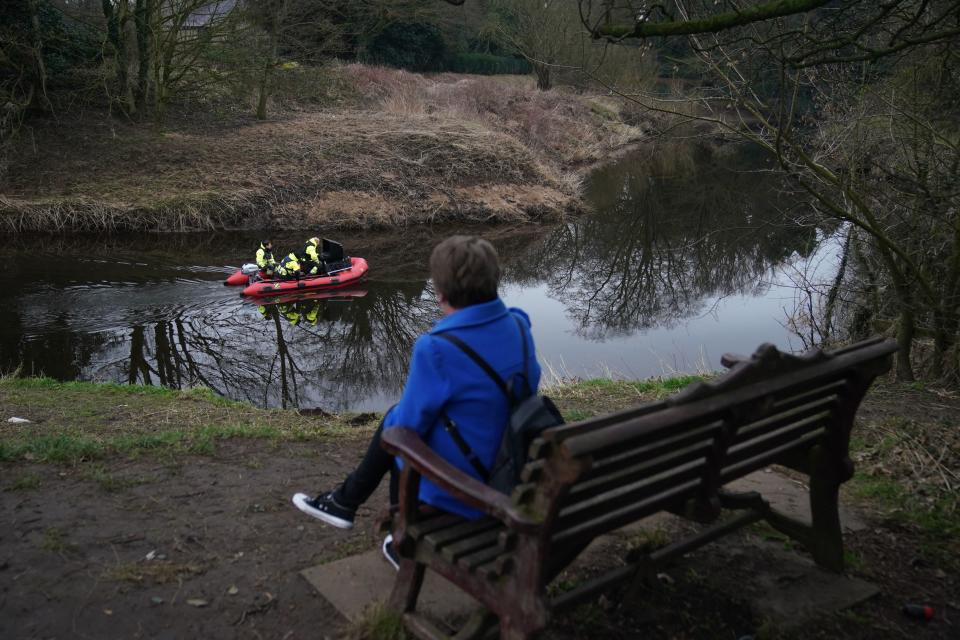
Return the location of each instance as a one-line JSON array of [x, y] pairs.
[[252, 271], [333, 258]]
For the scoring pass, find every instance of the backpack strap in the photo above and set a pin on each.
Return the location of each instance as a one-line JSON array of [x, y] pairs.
[[450, 426]]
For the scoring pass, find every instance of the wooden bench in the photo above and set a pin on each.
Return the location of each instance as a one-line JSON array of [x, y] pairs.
[[589, 478]]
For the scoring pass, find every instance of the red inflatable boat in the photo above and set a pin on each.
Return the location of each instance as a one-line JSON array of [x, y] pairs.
[[308, 296], [341, 278]]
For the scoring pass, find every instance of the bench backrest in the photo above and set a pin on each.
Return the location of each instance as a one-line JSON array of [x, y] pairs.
[[591, 477]]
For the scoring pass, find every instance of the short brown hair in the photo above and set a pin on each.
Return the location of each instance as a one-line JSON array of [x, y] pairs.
[[466, 270]]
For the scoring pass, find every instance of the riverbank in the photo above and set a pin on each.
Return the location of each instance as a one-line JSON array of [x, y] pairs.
[[143, 511], [347, 146]]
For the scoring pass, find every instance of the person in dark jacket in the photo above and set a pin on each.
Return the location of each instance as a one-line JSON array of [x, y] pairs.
[[444, 382], [289, 268]]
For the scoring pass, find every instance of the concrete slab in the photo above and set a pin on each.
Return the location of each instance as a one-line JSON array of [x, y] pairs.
[[784, 586], [353, 584], [789, 496]]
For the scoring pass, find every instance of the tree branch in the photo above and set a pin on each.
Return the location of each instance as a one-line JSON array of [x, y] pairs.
[[713, 24]]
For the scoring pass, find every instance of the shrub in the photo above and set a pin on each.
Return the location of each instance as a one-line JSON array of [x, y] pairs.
[[488, 64], [415, 46]]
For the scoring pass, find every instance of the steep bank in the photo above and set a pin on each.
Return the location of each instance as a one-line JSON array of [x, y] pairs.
[[393, 148]]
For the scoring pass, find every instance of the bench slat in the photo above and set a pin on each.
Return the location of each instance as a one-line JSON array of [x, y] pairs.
[[464, 529], [721, 400], [772, 439], [823, 409], [768, 457], [798, 396], [565, 431], [628, 457], [432, 523], [630, 512], [452, 552], [482, 556], [647, 469], [648, 488]]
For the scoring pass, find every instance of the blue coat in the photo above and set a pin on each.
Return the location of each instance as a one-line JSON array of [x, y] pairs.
[[443, 380]]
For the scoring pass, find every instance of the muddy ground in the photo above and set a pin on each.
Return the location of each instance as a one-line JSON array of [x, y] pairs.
[[176, 545], [225, 543]]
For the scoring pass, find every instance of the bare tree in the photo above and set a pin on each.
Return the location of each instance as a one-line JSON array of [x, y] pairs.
[[542, 31]]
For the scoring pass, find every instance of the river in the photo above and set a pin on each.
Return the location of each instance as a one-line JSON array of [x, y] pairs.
[[688, 254]]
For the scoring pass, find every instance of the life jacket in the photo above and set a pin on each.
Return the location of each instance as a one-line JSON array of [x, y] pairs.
[[289, 265], [265, 257], [310, 251]]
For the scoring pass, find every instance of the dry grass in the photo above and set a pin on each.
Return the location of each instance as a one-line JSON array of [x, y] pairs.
[[151, 571], [414, 149], [565, 129], [377, 623]]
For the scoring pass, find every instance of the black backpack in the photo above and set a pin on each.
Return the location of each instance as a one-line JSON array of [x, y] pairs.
[[530, 414]]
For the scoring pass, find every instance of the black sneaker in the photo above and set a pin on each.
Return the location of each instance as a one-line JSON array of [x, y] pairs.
[[390, 553], [325, 508]]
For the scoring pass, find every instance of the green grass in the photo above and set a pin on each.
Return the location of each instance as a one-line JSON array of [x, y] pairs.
[[588, 398], [938, 517], [934, 510], [50, 384], [897, 477], [73, 422], [70, 448]]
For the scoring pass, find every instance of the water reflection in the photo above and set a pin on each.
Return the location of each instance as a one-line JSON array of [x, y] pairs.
[[340, 351], [672, 234], [666, 241]]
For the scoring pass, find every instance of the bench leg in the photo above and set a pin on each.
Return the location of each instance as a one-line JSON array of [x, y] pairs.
[[478, 626], [406, 588], [826, 532], [512, 631]]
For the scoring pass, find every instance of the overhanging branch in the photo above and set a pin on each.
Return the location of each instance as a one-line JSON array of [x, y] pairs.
[[713, 24]]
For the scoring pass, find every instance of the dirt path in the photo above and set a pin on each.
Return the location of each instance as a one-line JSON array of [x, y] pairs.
[[226, 547]]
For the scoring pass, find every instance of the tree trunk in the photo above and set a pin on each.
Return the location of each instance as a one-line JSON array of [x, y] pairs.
[[116, 19], [543, 76], [279, 16], [40, 85], [142, 18], [263, 93], [905, 330], [831, 305]]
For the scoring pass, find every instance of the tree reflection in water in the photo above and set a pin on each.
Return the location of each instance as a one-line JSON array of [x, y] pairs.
[[664, 240], [332, 352]]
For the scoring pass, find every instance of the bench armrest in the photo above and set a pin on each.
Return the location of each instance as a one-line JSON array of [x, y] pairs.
[[407, 444]]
